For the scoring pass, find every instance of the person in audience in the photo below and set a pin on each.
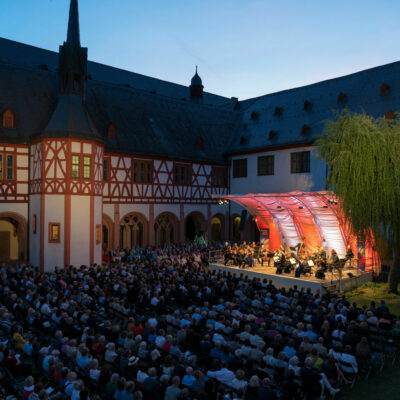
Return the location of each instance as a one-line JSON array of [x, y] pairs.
[[265, 392], [239, 382], [173, 392], [188, 379], [156, 321]]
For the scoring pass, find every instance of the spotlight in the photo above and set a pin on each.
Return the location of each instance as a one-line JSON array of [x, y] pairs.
[[220, 202], [300, 207], [226, 202]]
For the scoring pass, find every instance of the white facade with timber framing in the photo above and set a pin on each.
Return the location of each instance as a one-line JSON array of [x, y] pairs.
[[93, 157]]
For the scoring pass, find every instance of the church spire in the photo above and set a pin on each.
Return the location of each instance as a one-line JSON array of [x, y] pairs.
[[70, 117], [73, 58], [73, 35]]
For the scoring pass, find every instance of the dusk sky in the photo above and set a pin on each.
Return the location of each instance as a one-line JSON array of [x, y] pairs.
[[244, 48]]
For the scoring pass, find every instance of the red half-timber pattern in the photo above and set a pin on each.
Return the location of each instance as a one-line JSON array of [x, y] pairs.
[[51, 167], [120, 188], [50, 161], [54, 166], [119, 185], [35, 181], [16, 189], [98, 153]]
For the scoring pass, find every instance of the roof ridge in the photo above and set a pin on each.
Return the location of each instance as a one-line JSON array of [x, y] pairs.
[[137, 74], [337, 78]]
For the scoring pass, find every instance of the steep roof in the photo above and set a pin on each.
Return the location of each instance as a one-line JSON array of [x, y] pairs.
[[297, 115], [19, 54], [147, 124], [152, 119], [150, 124]]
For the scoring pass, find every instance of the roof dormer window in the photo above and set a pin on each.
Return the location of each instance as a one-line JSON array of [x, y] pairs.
[[278, 111], [307, 105], [244, 140], [272, 134], [305, 129], [341, 98], [254, 115], [385, 88], [112, 131], [200, 143], [389, 114], [8, 119]]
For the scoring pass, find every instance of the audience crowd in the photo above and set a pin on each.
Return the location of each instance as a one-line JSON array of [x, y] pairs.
[[157, 323]]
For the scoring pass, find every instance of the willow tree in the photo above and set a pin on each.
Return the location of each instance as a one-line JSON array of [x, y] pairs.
[[363, 154]]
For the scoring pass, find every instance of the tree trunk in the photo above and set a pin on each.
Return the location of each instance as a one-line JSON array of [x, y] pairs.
[[394, 274]]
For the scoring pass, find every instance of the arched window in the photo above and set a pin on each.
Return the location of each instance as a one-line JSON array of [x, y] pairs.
[[236, 229], [8, 119], [164, 232], [132, 232], [112, 131]]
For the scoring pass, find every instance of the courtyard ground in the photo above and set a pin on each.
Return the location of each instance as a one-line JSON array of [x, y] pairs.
[[377, 292], [386, 386]]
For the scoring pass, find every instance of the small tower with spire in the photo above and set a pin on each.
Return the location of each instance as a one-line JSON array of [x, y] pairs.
[[196, 87], [69, 176], [72, 57]]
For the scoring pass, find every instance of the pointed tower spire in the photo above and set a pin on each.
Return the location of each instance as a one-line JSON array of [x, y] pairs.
[[73, 35], [73, 58], [70, 117]]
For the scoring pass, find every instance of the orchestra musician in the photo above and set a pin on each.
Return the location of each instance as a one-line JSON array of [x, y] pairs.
[[226, 251], [349, 254], [334, 259], [299, 262]]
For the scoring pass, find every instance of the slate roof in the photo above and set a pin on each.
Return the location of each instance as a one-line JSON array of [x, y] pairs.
[[152, 120], [297, 122], [147, 124], [15, 53], [150, 124], [71, 119]]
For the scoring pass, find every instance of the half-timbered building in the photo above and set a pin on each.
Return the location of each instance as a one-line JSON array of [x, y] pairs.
[[93, 157]]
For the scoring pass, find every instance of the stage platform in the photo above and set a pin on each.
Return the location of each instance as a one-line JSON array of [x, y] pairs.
[[331, 283]]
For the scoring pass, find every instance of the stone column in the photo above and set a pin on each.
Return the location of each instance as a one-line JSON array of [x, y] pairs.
[[208, 222], [181, 223], [116, 225], [151, 225]]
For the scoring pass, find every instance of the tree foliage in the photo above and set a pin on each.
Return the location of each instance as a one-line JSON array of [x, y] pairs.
[[363, 154]]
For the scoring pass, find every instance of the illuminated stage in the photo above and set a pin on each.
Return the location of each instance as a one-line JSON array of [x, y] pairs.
[[331, 283], [314, 219]]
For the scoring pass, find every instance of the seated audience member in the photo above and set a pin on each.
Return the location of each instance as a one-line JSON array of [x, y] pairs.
[[153, 321]]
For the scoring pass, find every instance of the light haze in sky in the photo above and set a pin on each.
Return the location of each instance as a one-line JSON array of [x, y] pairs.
[[244, 48]]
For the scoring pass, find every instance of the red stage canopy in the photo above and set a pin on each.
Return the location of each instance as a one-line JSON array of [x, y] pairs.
[[314, 217]]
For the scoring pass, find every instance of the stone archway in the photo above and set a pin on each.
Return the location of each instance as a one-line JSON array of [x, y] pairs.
[[13, 237], [195, 226], [217, 228], [108, 233], [133, 231], [236, 228], [166, 229]]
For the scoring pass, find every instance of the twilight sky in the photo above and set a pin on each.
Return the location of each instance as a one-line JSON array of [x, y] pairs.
[[244, 48]]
